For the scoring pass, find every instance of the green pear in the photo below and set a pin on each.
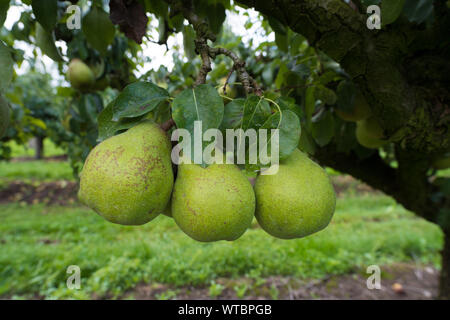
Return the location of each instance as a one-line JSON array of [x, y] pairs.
[[128, 178], [361, 110], [213, 203], [370, 134], [441, 163], [80, 75], [296, 201], [4, 116]]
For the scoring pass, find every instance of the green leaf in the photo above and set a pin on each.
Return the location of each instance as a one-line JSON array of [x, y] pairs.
[[310, 102], [295, 43], [6, 66], [176, 22], [418, 10], [282, 42], [328, 77], [216, 17], [159, 7], [323, 129], [46, 13], [232, 117], [65, 91], [46, 42], [162, 112], [4, 6], [277, 26], [279, 80], [306, 143], [98, 29], [107, 127], [256, 112], [288, 103], [201, 103], [325, 95], [346, 93], [89, 106], [137, 99], [289, 131], [162, 31], [391, 10], [302, 70], [188, 42]]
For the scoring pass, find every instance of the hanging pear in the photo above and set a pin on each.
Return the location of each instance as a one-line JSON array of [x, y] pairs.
[[296, 201], [80, 75], [213, 203], [370, 134], [128, 178]]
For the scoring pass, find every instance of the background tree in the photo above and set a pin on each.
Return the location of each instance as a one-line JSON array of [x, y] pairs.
[[323, 60]]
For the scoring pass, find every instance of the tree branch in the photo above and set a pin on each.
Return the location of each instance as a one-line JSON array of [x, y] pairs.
[[372, 170], [203, 49], [408, 184], [247, 81], [227, 80]]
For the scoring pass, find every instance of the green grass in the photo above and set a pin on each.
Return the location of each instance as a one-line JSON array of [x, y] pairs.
[[37, 170], [39, 243], [50, 149], [443, 173]]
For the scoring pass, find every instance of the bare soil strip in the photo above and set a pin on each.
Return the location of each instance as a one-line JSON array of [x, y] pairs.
[[399, 282]]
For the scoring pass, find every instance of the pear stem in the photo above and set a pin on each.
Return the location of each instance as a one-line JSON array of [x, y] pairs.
[[167, 125]]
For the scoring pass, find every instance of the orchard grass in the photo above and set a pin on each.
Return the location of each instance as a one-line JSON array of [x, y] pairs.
[[50, 149], [35, 170], [38, 243]]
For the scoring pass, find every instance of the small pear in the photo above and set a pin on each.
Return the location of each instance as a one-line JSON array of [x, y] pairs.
[[370, 134], [128, 178], [213, 203], [361, 110], [80, 75], [296, 201], [4, 116]]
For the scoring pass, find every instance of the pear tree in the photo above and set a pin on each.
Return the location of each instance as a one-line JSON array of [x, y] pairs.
[[366, 95]]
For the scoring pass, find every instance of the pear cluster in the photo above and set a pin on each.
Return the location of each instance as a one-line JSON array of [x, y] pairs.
[[368, 132], [128, 179]]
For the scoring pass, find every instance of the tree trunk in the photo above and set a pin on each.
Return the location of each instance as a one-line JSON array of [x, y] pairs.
[[444, 283], [39, 148]]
